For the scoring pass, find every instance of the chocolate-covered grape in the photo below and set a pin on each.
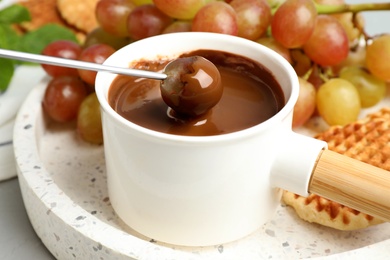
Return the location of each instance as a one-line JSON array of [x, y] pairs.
[[193, 85]]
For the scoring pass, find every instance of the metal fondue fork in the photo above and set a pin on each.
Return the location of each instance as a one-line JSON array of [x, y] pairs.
[[50, 60]]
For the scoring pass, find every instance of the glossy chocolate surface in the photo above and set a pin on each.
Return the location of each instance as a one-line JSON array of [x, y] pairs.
[[250, 96], [193, 85]]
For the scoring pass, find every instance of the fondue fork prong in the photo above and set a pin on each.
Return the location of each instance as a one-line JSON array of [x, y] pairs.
[[50, 60]]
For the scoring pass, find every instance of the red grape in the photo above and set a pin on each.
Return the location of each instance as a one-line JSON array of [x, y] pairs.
[[145, 21], [217, 17], [253, 17], [276, 46], [315, 77], [98, 35], [63, 49], [293, 22], [112, 15], [328, 45], [300, 62], [96, 53], [306, 103], [63, 97], [352, 22]]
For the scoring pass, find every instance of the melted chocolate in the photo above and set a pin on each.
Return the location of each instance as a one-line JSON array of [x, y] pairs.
[[250, 96], [192, 87]]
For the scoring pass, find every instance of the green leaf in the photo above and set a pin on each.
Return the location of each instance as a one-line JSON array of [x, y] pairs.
[[32, 42], [14, 14], [36, 41], [6, 73], [8, 37]]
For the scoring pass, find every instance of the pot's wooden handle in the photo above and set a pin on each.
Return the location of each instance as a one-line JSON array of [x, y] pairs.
[[352, 183]]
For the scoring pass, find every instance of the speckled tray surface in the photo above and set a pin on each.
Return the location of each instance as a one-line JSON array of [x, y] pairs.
[[63, 184]]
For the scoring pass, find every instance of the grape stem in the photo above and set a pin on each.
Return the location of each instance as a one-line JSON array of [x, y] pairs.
[[354, 8]]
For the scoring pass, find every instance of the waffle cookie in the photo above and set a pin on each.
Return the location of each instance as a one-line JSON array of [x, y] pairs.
[[42, 12], [80, 14], [367, 140], [45, 12]]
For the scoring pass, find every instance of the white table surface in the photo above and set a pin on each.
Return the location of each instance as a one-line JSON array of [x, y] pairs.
[[17, 237]]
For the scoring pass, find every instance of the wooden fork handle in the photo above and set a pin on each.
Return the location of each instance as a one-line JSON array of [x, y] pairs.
[[352, 183]]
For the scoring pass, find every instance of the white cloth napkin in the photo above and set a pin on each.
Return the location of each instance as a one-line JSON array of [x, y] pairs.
[[25, 78]]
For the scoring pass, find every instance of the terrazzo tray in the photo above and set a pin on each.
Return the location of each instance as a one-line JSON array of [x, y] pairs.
[[63, 183]]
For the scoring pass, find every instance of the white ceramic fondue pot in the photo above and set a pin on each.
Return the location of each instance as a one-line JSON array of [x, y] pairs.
[[208, 190]]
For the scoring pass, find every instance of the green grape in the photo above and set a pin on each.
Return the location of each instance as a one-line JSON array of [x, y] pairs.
[[98, 35], [142, 2], [378, 57], [275, 3], [356, 56], [371, 89], [180, 9], [178, 26], [338, 102], [89, 124]]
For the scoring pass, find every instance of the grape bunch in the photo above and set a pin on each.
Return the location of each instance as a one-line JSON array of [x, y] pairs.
[[337, 62], [341, 68], [69, 94]]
